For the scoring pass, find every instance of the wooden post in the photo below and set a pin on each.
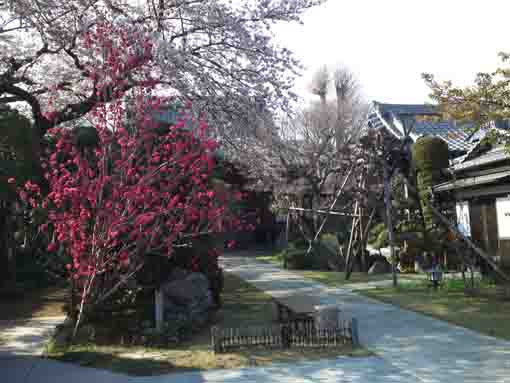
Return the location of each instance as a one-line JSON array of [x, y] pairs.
[[389, 222], [287, 228], [485, 227], [286, 335], [362, 246], [217, 339], [351, 240], [159, 303], [365, 236], [354, 332]]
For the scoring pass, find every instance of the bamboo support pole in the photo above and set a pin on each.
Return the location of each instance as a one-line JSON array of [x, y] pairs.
[[339, 193], [351, 240], [326, 212]]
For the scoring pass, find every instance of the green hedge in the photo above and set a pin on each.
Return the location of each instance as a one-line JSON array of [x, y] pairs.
[[430, 155], [295, 256]]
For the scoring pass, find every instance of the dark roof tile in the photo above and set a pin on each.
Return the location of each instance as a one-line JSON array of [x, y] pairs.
[[410, 109]]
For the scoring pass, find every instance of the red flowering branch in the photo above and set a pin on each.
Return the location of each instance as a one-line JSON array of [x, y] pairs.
[[141, 188]]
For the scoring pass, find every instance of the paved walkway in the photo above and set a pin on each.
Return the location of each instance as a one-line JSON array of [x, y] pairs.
[[428, 349], [410, 347], [20, 362], [26, 337]]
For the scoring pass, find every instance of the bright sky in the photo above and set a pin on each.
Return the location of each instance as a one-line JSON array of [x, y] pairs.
[[389, 43]]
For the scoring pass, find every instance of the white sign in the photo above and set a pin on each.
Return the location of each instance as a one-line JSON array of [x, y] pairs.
[[463, 221], [503, 214]]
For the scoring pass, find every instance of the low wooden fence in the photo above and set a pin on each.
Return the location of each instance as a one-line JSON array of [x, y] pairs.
[[294, 334]]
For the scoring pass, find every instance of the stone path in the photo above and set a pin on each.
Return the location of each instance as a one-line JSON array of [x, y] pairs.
[[425, 348], [410, 347], [27, 337], [20, 363], [341, 370], [21, 344]]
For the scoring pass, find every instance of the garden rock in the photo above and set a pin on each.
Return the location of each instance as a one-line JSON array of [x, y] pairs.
[[187, 303], [177, 274], [327, 317], [188, 290], [380, 267]]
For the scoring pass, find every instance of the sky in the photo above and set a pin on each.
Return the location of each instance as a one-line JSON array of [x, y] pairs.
[[389, 43]]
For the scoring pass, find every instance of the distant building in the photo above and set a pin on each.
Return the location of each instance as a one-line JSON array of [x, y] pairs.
[[478, 188], [423, 120], [481, 191]]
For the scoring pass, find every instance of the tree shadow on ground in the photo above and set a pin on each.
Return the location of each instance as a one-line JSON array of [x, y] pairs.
[[122, 364], [22, 304]]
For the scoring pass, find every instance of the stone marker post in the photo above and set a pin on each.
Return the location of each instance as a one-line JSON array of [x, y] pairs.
[[159, 303]]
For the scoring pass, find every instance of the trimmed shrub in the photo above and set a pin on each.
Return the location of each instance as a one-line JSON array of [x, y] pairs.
[[430, 155], [297, 259]]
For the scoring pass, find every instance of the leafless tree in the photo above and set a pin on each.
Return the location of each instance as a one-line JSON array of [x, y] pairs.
[[345, 115], [348, 100], [321, 83], [316, 142]]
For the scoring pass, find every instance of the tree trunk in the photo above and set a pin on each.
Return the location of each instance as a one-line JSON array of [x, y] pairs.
[[389, 223], [7, 247], [4, 261], [340, 123]]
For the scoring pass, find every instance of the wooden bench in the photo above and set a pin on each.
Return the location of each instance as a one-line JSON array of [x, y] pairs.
[[296, 307]]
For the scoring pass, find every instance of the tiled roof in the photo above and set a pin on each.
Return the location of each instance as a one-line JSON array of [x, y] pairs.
[[390, 116], [456, 135], [497, 154], [472, 181], [410, 109]]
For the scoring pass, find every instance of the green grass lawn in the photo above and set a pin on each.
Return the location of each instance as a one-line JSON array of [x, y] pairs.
[[337, 279], [274, 259], [484, 313], [329, 278], [243, 304]]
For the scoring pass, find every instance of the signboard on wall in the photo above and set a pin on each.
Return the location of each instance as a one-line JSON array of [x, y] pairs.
[[503, 214], [463, 221]]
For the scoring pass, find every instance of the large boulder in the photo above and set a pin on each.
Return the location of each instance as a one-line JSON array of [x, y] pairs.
[[188, 290], [187, 302]]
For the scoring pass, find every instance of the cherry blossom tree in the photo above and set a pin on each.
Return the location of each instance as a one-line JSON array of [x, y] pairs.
[[131, 188], [219, 54]]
